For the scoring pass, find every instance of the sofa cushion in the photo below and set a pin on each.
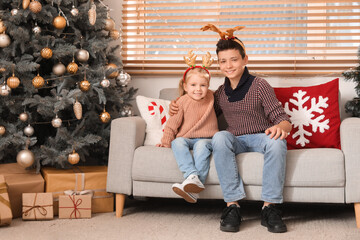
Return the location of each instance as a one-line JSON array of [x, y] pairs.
[[305, 167], [314, 113]]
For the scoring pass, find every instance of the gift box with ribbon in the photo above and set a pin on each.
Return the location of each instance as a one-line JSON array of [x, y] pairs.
[[75, 206], [37, 206], [5, 209], [78, 179], [19, 181]]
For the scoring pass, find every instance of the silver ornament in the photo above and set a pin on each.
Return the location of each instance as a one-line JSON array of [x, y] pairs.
[[29, 130], [36, 29], [15, 11], [4, 40], [74, 11], [56, 122], [25, 158], [123, 79], [59, 69], [23, 117], [127, 110], [105, 83], [5, 90], [82, 55]]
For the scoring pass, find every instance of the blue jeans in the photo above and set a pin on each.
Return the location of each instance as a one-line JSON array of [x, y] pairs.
[[200, 163], [225, 148]]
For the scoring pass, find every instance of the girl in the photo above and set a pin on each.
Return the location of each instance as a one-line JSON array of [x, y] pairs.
[[192, 128]]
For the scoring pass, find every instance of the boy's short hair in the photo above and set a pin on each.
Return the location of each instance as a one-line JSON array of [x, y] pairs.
[[225, 44]]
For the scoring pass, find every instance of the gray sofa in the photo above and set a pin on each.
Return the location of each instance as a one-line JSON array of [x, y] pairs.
[[320, 175]]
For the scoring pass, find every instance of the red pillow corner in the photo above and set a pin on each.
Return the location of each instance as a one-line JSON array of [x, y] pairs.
[[314, 113]]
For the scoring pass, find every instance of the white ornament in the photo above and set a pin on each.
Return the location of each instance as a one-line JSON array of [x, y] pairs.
[[5, 90], [123, 79], [36, 29], [105, 83], [56, 122], [82, 55], [15, 11], [74, 11], [59, 69], [302, 116], [29, 130], [25, 158], [4, 40]]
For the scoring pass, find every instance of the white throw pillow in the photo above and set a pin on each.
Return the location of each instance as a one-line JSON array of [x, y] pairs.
[[155, 112]]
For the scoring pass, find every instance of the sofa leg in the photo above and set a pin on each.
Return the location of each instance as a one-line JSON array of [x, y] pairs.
[[357, 214], [119, 204]]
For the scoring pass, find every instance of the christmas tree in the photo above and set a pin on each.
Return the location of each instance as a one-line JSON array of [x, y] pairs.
[[61, 82], [353, 106]]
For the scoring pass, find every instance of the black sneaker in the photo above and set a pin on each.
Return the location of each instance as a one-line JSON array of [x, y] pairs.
[[230, 219], [271, 218]]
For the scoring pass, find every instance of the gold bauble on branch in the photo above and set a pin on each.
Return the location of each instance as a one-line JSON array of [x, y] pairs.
[[109, 24], [113, 74], [35, 6], [2, 130], [38, 81], [2, 27], [73, 157], [84, 85], [13, 82], [25, 4], [23, 117], [46, 53], [72, 67], [77, 109], [25, 158], [59, 22], [105, 116], [114, 34], [4, 40]]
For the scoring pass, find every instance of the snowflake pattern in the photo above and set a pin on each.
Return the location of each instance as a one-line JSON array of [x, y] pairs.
[[302, 116]]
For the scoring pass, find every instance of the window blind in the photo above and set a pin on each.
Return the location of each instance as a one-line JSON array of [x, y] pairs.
[[298, 37]]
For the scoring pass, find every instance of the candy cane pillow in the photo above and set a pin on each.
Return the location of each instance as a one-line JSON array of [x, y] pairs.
[[155, 112]]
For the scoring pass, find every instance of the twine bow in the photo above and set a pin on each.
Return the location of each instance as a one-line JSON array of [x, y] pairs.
[[76, 204], [84, 192], [3, 189], [40, 208]]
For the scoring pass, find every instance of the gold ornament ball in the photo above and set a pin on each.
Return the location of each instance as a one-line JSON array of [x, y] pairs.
[[109, 24], [2, 130], [73, 157], [113, 74], [38, 81], [105, 117], [72, 68], [46, 53], [2, 27], [23, 117], [13, 82], [59, 22], [25, 158], [4, 40], [84, 85], [114, 34], [35, 6]]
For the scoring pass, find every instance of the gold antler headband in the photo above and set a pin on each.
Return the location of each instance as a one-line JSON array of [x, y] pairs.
[[228, 34], [190, 60]]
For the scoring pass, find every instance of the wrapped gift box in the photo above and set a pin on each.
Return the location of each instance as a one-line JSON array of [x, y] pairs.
[[37, 206], [5, 209], [79, 179], [75, 206], [19, 181]]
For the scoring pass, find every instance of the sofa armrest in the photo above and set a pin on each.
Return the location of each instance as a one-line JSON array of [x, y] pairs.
[[125, 136], [350, 145]]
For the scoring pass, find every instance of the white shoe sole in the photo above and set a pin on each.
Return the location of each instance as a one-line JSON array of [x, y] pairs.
[[193, 188], [187, 196]]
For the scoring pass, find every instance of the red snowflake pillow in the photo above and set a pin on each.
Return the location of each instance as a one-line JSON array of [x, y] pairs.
[[314, 113]]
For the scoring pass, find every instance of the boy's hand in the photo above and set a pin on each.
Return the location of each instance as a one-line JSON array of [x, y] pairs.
[[174, 108], [281, 130]]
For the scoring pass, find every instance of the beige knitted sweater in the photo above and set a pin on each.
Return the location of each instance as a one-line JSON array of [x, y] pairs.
[[195, 119]]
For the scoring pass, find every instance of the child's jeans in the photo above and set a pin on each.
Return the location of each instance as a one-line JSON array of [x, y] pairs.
[[199, 162]]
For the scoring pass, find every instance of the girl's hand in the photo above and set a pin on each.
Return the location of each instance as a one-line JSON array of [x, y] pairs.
[[173, 108], [159, 145], [281, 130]]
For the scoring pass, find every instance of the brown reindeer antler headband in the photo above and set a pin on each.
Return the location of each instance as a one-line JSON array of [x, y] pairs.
[[190, 60], [228, 34]]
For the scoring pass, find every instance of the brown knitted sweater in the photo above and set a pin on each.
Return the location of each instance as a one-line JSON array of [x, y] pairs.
[[195, 119]]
